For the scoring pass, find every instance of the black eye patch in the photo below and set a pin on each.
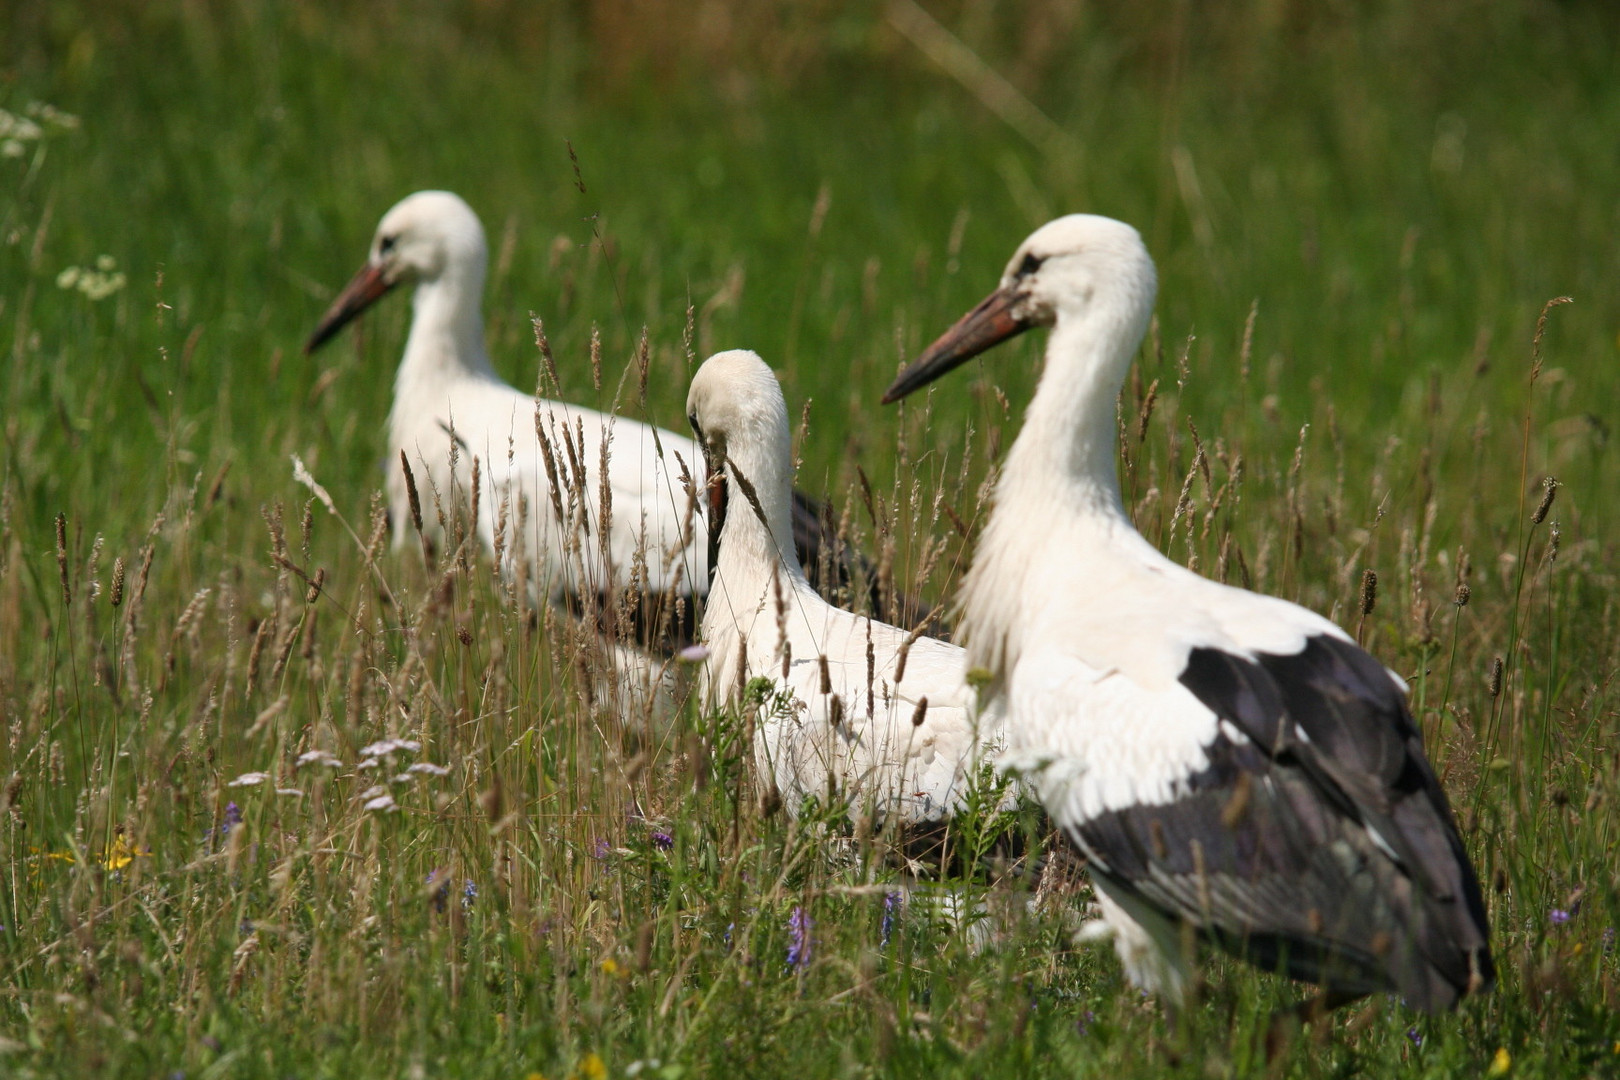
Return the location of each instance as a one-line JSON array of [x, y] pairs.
[[386, 245], [1031, 263]]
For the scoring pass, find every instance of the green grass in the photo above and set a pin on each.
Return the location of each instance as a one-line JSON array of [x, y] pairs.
[[1394, 196]]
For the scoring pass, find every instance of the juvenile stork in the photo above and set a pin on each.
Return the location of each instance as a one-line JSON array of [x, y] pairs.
[[450, 407], [1229, 763], [866, 713]]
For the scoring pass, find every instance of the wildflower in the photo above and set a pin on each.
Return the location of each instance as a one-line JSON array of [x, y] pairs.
[[365, 763], [297, 793], [438, 890], [1082, 1023], [249, 779], [591, 1067], [1559, 916], [401, 778], [610, 966], [799, 923], [372, 792], [891, 908], [469, 894], [663, 841], [635, 1067], [601, 849], [233, 817], [319, 757], [381, 804], [427, 768], [1415, 1036], [385, 747], [1501, 1063], [693, 654]]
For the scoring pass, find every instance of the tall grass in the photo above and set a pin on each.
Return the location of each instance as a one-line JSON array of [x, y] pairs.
[[1352, 370]]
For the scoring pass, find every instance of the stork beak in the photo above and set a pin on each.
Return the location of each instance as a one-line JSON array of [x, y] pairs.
[[991, 323], [714, 485], [360, 293]]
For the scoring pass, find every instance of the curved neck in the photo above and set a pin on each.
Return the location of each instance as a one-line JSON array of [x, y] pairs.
[[756, 536], [1066, 448], [447, 330]]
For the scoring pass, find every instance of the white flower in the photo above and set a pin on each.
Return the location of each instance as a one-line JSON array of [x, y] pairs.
[[249, 779], [319, 757], [372, 792], [693, 654], [429, 769], [366, 763], [294, 792], [68, 278], [402, 778], [382, 804], [11, 148], [385, 747]]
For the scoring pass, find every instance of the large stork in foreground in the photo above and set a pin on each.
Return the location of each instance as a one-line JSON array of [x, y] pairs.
[[1228, 762]]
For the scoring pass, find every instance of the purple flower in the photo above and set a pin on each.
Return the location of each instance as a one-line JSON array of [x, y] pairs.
[[1083, 1023], [891, 909], [233, 816], [663, 841], [601, 849], [469, 894], [798, 954], [441, 890], [1415, 1036], [1559, 916]]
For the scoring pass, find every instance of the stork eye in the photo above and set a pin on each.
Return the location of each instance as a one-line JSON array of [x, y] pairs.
[[386, 244], [1031, 263]]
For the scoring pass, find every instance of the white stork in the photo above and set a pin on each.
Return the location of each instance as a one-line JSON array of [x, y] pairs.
[[1228, 762], [872, 715], [451, 407]]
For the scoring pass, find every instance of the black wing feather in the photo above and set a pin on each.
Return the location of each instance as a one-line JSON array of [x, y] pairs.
[[1270, 850]]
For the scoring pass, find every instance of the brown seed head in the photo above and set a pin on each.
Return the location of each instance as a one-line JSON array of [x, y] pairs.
[[1549, 491], [116, 595], [1369, 591]]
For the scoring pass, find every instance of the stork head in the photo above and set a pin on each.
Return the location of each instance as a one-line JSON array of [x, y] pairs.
[[737, 412], [1071, 268], [424, 237]]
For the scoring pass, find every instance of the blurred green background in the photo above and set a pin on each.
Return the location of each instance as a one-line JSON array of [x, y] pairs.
[[1399, 188]]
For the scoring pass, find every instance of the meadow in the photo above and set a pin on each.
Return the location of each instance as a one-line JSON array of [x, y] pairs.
[[1367, 220]]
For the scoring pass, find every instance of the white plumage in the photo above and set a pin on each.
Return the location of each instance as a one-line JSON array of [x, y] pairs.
[[905, 744], [1225, 760], [548, 520]]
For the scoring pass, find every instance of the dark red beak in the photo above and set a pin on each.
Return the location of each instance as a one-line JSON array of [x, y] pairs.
[[360, 293], [991, 323]]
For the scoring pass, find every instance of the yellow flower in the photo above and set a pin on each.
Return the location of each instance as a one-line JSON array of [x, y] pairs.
[[535, 1076], [1501, 1063], [611, 966], [591, 1068]]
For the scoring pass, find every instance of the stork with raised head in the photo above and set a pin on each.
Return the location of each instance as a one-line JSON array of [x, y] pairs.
[[880, 718], [1228, 762], [450, 407]]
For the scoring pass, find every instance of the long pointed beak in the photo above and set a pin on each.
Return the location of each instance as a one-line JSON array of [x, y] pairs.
[[714, 485], [991, 323], [361, 292]]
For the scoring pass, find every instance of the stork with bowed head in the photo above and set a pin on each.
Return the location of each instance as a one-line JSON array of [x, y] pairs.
[[881, 718], [1228, 762], [450, 408]]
